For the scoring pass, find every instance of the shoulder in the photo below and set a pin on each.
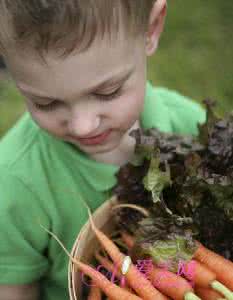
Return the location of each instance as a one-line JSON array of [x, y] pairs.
[[18, 196], [170, 111], [24, 162], [18, 140], [20, 216]]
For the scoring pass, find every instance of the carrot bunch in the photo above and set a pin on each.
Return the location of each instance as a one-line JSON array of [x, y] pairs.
[[211, 271], [137, 286], [159, 284], [213, 276]]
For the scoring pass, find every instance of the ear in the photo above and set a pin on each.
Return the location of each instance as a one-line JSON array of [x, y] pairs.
[[156, 25]]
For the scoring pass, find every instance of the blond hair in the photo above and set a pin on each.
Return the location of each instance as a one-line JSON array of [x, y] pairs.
[[69, 25]]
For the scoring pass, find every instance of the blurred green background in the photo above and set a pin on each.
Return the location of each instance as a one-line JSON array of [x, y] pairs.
[[195, 57]]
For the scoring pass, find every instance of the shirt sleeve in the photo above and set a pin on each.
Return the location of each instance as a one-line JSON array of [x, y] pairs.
[[169, 111], [23, 241], [185, 113]]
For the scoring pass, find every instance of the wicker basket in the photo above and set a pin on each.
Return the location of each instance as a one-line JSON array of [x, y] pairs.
[[85, 245]]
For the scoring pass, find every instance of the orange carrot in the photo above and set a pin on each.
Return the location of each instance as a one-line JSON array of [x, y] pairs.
[[222, 267], [200, 274], [207, 294], [113, 291], [213, 262], [169, 283], [110, 267], [205, 278], [135, 278], [110, 289], [128, 239], [95, 292]]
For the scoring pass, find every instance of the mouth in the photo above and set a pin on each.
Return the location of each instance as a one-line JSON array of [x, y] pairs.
[[95, 140]]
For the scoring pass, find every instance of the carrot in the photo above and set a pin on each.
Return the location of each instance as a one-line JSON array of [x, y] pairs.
[[215, 262], [171, 284], [95, 292], [110, 267], [200, 274], [128, 239], [205, 277], [113, 291], [135, 278], [207, 294], [110, 289], [222, 267]]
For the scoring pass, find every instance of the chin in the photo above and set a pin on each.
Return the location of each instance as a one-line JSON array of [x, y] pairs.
[[98, 148]]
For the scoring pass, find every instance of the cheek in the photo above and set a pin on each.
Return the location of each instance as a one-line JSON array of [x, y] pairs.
[[128, 109], [45, 121]]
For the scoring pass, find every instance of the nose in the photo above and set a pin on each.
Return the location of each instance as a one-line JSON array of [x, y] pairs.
[[84, 124]]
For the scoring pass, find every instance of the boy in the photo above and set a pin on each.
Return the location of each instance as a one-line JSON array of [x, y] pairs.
[[81, 65]]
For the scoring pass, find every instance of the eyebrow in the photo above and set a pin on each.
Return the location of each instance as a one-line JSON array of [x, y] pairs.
[[118, 77]]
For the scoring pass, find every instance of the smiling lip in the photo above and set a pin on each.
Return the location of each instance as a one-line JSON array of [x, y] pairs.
[[98, 139]]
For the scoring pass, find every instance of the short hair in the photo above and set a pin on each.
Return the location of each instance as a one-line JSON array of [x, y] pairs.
[[69, 25]]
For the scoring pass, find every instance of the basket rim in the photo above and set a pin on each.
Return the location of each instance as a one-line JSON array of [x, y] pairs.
[[71, 266]]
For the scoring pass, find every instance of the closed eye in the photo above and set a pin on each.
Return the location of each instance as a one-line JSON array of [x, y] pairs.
[[50, 106], [109, 97], [102, 97]]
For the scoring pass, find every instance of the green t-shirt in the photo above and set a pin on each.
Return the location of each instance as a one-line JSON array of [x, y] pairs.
[[41, 180]]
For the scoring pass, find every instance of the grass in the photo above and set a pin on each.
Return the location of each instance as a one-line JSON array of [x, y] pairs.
[[194, 57], [11, 105], [195, 53]]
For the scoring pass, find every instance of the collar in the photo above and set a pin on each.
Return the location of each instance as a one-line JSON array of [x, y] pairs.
[[100, 176]]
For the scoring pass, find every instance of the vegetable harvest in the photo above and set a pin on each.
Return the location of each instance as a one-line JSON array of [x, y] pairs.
[[175, 211], [186, 184], [142, 286], [205, 261], [190, 178], [180, 289]]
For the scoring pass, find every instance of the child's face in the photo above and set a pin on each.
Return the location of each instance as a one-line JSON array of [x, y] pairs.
[[76, 111], [68, 99]]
